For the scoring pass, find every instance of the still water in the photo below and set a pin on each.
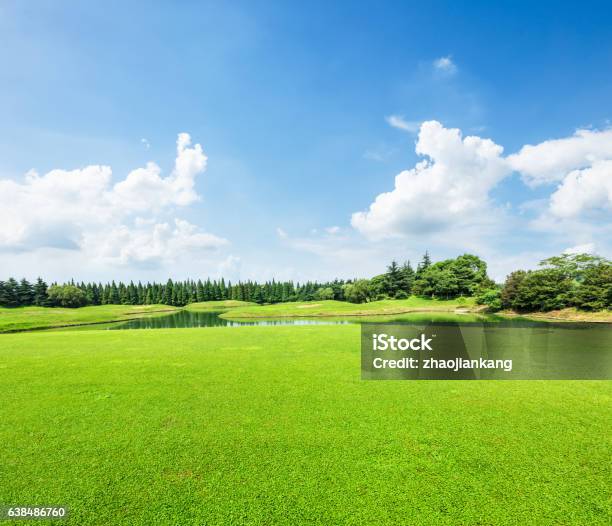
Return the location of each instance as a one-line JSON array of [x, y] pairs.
[[189, 319]]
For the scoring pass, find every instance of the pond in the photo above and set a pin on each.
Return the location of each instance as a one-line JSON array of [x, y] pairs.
[[191, 319], [194, 319]]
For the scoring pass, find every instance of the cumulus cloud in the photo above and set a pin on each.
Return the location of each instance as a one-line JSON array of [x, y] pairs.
[[450, 186], [583, 190], [445, 65], [550, 161], [144, 188], [397, 121], [581, 168], [81, 209], [450, 189]]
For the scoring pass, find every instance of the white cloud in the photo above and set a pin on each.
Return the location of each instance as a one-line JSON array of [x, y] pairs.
[[146, 242], [550, 161], [580, 165], [332, 230], [144, 188], [586, 248], [583, 190], [281, 233], [449, 188], [449, 192], [397, 121], [145, 143], [81, 209], [445, 64]]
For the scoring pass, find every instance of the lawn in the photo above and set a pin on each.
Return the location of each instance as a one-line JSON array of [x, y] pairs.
[[27, 318], [218, 306], [568, 314], [272, 425], [30, 318], [343, 308]]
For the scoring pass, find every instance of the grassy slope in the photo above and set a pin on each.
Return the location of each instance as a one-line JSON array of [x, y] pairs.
[[217, 305], [23, 318], [272, 425], [570, 314], [342, 308]]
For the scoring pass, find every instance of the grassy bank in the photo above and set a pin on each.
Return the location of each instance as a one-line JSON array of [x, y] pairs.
[[30, 318], [272, 425], [33, 318], [341, 308], [571, 314], [217, 306]]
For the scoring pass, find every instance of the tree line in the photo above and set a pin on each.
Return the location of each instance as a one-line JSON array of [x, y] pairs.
[[22, 293], [583, 281], [570, 280], [463, 276]]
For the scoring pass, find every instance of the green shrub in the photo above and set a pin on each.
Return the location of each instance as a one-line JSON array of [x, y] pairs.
[[361, 291], [326, 293], [67, 296], [491, 298]]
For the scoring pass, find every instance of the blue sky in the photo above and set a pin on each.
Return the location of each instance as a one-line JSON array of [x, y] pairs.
[[292, 105]]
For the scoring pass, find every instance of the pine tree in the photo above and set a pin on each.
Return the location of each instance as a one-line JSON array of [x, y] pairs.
[[11, 296], [423, 265], [113, 297], [25, 293], [95, 290], [393, 278], [200, 291], [3, 295], [407, 277], [168, 293], [89, 293], [140, 294], [259, 296]]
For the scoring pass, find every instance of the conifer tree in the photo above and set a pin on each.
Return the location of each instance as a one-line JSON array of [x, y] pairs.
[[25, 293], [113, 297], [4, 300], [423, 265], [40, 293], [11, 297], [392, 282], [407, 277]]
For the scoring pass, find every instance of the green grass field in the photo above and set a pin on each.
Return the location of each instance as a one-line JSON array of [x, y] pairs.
[[218, 306], [342, 308], [28, 318], [33, 318], [272, 425]]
